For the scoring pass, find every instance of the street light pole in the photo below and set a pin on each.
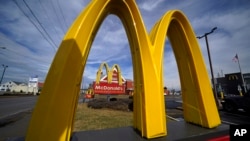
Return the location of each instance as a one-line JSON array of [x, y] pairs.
[[210, 63], [4, 66]]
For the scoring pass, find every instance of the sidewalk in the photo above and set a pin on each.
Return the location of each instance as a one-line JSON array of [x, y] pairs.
[[180, 130]]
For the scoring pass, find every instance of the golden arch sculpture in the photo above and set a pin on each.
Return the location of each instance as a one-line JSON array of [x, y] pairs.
[[109, 73], [54, 112]]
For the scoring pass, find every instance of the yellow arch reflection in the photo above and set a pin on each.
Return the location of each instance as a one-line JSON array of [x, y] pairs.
[[53, 116]]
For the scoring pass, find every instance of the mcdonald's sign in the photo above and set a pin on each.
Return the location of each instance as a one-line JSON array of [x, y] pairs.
[[110, 72], [52, 119], [232, 77], [105, 88], [112, 83]]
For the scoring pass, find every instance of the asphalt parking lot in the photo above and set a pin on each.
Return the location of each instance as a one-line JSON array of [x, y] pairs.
[[14, 127]]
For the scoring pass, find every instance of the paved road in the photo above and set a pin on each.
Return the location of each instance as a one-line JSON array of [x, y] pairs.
[[236, 118], [171, 105], [15, 112], [174, 113], [10, 105]]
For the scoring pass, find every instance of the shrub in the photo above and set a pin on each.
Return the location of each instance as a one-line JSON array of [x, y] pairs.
[[115, 104]]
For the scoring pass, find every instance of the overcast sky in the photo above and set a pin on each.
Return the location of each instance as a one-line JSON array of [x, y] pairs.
[[32, 30]]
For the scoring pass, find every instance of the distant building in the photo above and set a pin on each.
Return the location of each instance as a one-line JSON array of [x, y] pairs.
[[40, 86], [33, 84], [20, 87], [232, 83], [13, 86], [246, 77], [129, 87]]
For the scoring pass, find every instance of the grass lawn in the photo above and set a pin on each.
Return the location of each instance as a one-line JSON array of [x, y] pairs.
[[95, 119]]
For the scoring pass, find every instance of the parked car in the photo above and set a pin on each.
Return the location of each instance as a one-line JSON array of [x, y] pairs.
[[234, 103]]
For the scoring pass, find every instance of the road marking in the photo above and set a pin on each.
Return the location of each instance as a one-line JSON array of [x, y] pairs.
[[227, 122], [179, 101], [15, 113], [175, 119]]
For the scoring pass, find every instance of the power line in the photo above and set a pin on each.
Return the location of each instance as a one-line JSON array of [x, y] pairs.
[[33, 23], [47, 15], [40, 24], [24, 55], [61, 13], [57, 17]]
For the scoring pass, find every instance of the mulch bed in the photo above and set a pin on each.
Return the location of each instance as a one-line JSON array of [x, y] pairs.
[[114, 103]]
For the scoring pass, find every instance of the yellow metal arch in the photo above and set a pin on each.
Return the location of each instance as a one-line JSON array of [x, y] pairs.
[[53, 116], [99, 73], [196, 89], [109, 72], [118, 71]]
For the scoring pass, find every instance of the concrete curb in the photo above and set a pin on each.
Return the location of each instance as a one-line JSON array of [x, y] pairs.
[[14, 117]]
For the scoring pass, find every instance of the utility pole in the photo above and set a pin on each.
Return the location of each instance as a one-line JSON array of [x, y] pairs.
[[4, 66], [210, 63]]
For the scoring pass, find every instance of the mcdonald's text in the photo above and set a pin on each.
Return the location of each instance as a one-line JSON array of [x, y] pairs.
[[106, 88]]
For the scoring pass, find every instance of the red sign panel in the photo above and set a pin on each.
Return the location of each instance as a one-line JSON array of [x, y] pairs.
[[106, 88]]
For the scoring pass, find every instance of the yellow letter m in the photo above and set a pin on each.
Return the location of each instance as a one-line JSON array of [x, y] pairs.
[[53, 117]]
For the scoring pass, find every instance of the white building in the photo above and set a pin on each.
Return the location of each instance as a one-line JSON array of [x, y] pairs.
[[13, 86], [33, 85], [19, 87]]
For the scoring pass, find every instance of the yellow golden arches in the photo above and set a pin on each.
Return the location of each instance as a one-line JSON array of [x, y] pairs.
[[233, 77], [53, 116], [109, 72], [99, 73], [192, 71], [115, 66]]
